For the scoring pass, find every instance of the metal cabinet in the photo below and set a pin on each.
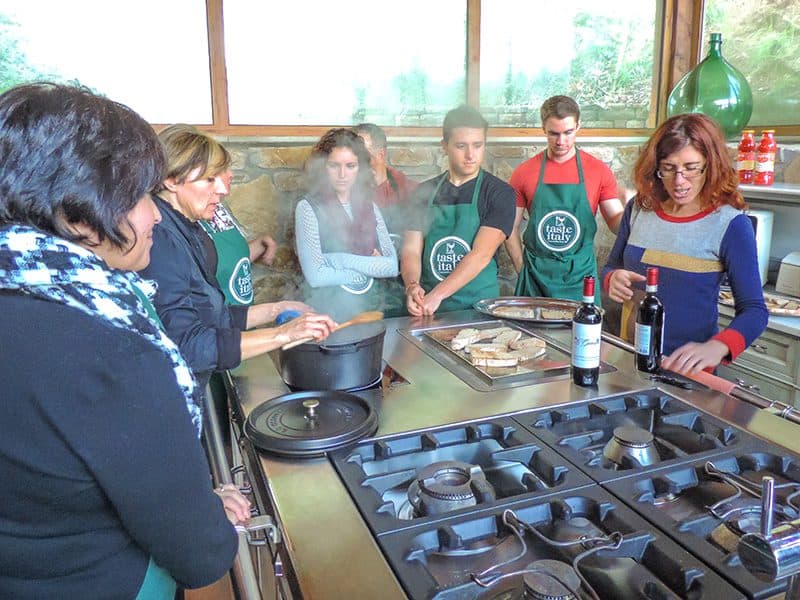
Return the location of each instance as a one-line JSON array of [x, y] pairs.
[[770, 366]]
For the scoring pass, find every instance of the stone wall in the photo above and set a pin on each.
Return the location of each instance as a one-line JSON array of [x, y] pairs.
[[268, 180]]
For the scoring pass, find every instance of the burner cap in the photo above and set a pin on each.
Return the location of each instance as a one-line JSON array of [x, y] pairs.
[[550, 580], [631, 447], [448, 485], [635, 437]]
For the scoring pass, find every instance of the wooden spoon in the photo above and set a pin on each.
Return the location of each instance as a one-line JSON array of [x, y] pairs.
[[365, 317]]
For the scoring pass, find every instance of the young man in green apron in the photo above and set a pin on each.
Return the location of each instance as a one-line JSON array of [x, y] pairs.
[[448, 256], [561, 189]]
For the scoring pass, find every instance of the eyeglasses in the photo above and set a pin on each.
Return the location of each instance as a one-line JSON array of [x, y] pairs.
[[688, 173]]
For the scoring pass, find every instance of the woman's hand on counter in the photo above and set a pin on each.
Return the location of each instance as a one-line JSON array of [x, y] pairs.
[[692, 358], [620, 284], [237, 507]]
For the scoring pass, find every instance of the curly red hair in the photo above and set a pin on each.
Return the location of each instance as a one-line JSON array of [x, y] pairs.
[[674, 134]]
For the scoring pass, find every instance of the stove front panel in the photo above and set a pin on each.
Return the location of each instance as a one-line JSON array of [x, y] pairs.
[[555, 546], [404, 480], [707, 504], [624, 435]]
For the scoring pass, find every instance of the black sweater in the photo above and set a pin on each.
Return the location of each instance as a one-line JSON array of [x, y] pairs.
[[189, 300], [100, 464]]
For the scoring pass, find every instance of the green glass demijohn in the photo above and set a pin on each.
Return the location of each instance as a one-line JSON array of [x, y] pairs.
[[715, 88]]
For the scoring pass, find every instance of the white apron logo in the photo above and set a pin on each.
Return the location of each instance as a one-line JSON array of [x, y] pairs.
[[559, 230], [446, 254], [241, 282], [362, 286]]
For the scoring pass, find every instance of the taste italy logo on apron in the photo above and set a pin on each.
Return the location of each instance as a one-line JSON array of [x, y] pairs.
[[234, 271], [559, 230], [446, 254], [240, 284], [362, 286]]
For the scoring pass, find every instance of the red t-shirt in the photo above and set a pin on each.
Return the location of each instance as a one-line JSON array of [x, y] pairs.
[[385, 194], [597, 177]]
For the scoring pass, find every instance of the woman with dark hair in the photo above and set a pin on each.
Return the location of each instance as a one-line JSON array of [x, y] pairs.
[[106, 490], [343, 245], [687, 219], [211, 334]]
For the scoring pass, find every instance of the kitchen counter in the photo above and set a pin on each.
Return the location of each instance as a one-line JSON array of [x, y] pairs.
[[332, 552], [788, 325]]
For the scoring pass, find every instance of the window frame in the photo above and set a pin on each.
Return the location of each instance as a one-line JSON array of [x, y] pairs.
[[678, 34]]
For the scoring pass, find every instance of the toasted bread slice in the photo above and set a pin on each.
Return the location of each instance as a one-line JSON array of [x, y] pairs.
[[527, 343], [486, 349], [464, 338], [507, 337], [493, 359]]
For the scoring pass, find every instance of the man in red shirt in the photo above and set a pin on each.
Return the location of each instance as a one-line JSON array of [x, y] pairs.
[[561, 189], [393, 188]]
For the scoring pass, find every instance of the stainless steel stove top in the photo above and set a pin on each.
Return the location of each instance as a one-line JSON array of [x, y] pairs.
[[544, 504]]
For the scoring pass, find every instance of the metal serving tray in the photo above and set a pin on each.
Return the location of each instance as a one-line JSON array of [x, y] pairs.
[[542, 311], [435, 342]]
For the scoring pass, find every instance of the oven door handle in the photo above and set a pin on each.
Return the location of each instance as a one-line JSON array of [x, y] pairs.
[[244, 574]]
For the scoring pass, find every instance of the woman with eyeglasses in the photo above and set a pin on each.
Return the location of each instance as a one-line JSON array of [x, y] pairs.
[[688, 220]]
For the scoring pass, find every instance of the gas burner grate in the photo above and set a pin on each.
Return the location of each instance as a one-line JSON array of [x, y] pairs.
[[584, 545], [399, 481], [713, 502], [620, 436]]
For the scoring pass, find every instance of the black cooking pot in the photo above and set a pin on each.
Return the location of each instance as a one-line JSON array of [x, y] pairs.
[[347, 359]]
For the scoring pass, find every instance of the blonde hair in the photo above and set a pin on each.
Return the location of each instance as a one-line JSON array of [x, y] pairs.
[[188, 148]]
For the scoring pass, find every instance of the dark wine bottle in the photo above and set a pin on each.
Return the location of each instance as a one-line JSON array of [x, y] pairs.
[[650, 326], [586, 326]]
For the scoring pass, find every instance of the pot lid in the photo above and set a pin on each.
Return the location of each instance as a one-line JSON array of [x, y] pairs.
[[354, 333], [306, 424]]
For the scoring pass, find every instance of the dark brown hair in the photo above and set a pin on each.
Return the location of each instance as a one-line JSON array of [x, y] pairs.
[[559, 107], [704, 135], [360, 234], [70, 156]]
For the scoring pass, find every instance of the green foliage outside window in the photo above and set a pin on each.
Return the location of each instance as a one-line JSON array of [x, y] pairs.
[[762, 39]]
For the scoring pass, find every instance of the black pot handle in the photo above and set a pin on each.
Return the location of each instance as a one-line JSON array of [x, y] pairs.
[[340, 349], [349, 348]]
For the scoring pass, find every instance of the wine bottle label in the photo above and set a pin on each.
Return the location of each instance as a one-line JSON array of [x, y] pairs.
[[642, 335], [586, 345]]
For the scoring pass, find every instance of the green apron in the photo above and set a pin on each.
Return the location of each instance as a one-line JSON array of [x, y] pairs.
[[450, 237], [559, 240], [148, 306], [234, 271], [157, 584]]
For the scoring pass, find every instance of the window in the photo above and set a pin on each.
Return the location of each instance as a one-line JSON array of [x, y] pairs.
[[318, 63], [600, 53], [122, 50], [760, 39]]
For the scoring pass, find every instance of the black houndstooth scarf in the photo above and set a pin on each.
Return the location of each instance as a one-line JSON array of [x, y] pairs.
[[47, 267]]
